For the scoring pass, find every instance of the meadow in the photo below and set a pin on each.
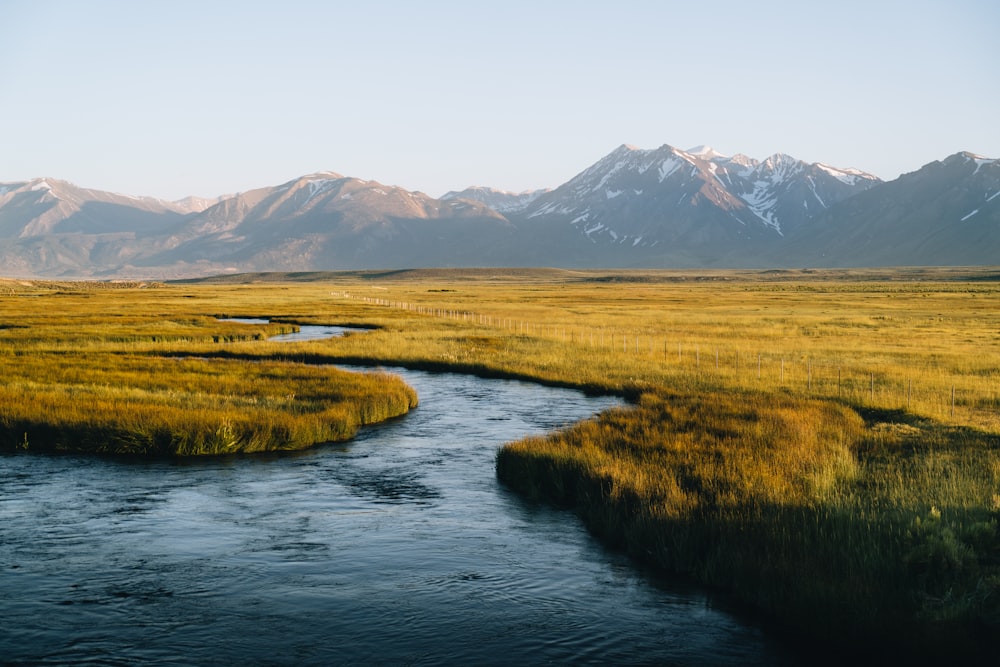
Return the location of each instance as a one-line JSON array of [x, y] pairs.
[[84, 370], [822, 446]]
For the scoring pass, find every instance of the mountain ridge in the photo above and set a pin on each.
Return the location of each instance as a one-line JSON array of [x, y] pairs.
[[633, 208]]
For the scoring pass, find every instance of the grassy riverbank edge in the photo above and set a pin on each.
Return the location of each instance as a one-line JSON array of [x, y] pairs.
[[196, 407], [784, 504], [486, 371]]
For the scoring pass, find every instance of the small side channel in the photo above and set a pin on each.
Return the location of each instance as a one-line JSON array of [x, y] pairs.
[[305, 332]]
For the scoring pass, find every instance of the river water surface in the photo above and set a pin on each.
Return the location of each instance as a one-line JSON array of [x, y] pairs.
[[398, 547]]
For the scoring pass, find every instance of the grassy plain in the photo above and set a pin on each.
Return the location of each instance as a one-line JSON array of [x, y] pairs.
[[824, 446], [85, 369]]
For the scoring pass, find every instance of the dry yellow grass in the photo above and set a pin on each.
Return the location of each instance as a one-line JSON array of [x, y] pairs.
[[87, 369]]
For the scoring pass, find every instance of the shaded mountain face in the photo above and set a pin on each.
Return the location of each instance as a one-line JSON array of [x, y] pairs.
[[50, 227], [633, 208], [945, 214], [328, 221], [320, 221]]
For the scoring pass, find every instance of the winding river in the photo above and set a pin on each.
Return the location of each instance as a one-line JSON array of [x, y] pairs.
[[398, 547]]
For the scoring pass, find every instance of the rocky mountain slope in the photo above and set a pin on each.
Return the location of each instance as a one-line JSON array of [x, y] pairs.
[[329, 221], [945, 214], [50, 227], [686, 208]]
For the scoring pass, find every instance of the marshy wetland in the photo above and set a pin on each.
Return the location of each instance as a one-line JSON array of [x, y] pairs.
[[823, 448]]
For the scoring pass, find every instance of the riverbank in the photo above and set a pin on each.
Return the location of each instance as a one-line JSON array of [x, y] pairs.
[[84, 372], [860, 536], [149, 406]]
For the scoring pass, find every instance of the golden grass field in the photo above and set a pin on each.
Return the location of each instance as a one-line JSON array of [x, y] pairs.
[[825, 446]]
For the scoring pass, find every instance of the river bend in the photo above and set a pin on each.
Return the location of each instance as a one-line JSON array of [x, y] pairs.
[[398, 547]]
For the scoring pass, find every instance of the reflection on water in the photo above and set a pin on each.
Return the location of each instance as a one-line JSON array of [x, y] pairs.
[[397, 547], [313, 332]]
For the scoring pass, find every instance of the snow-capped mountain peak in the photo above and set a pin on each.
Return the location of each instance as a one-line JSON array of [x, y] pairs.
[[635, 196], [705, 153], [501, 201], [848, 176], [781, 165], [968, 157]]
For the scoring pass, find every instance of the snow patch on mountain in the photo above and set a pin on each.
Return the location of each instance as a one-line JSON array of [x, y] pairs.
[[553, 207], [644, 167], [501, 201], [782, 167], [669, 166], [761, 202], [607, 176], [981, 162], [812, 186], [705, 153], [845, 176], [318, 186]]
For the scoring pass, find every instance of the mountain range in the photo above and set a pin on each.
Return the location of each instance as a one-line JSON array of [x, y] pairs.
[[634, 208]]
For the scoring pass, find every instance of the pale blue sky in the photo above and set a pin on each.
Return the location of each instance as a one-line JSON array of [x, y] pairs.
[[171, 98]]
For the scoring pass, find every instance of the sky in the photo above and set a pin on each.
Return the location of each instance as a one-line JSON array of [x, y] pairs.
[[176, 98]]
